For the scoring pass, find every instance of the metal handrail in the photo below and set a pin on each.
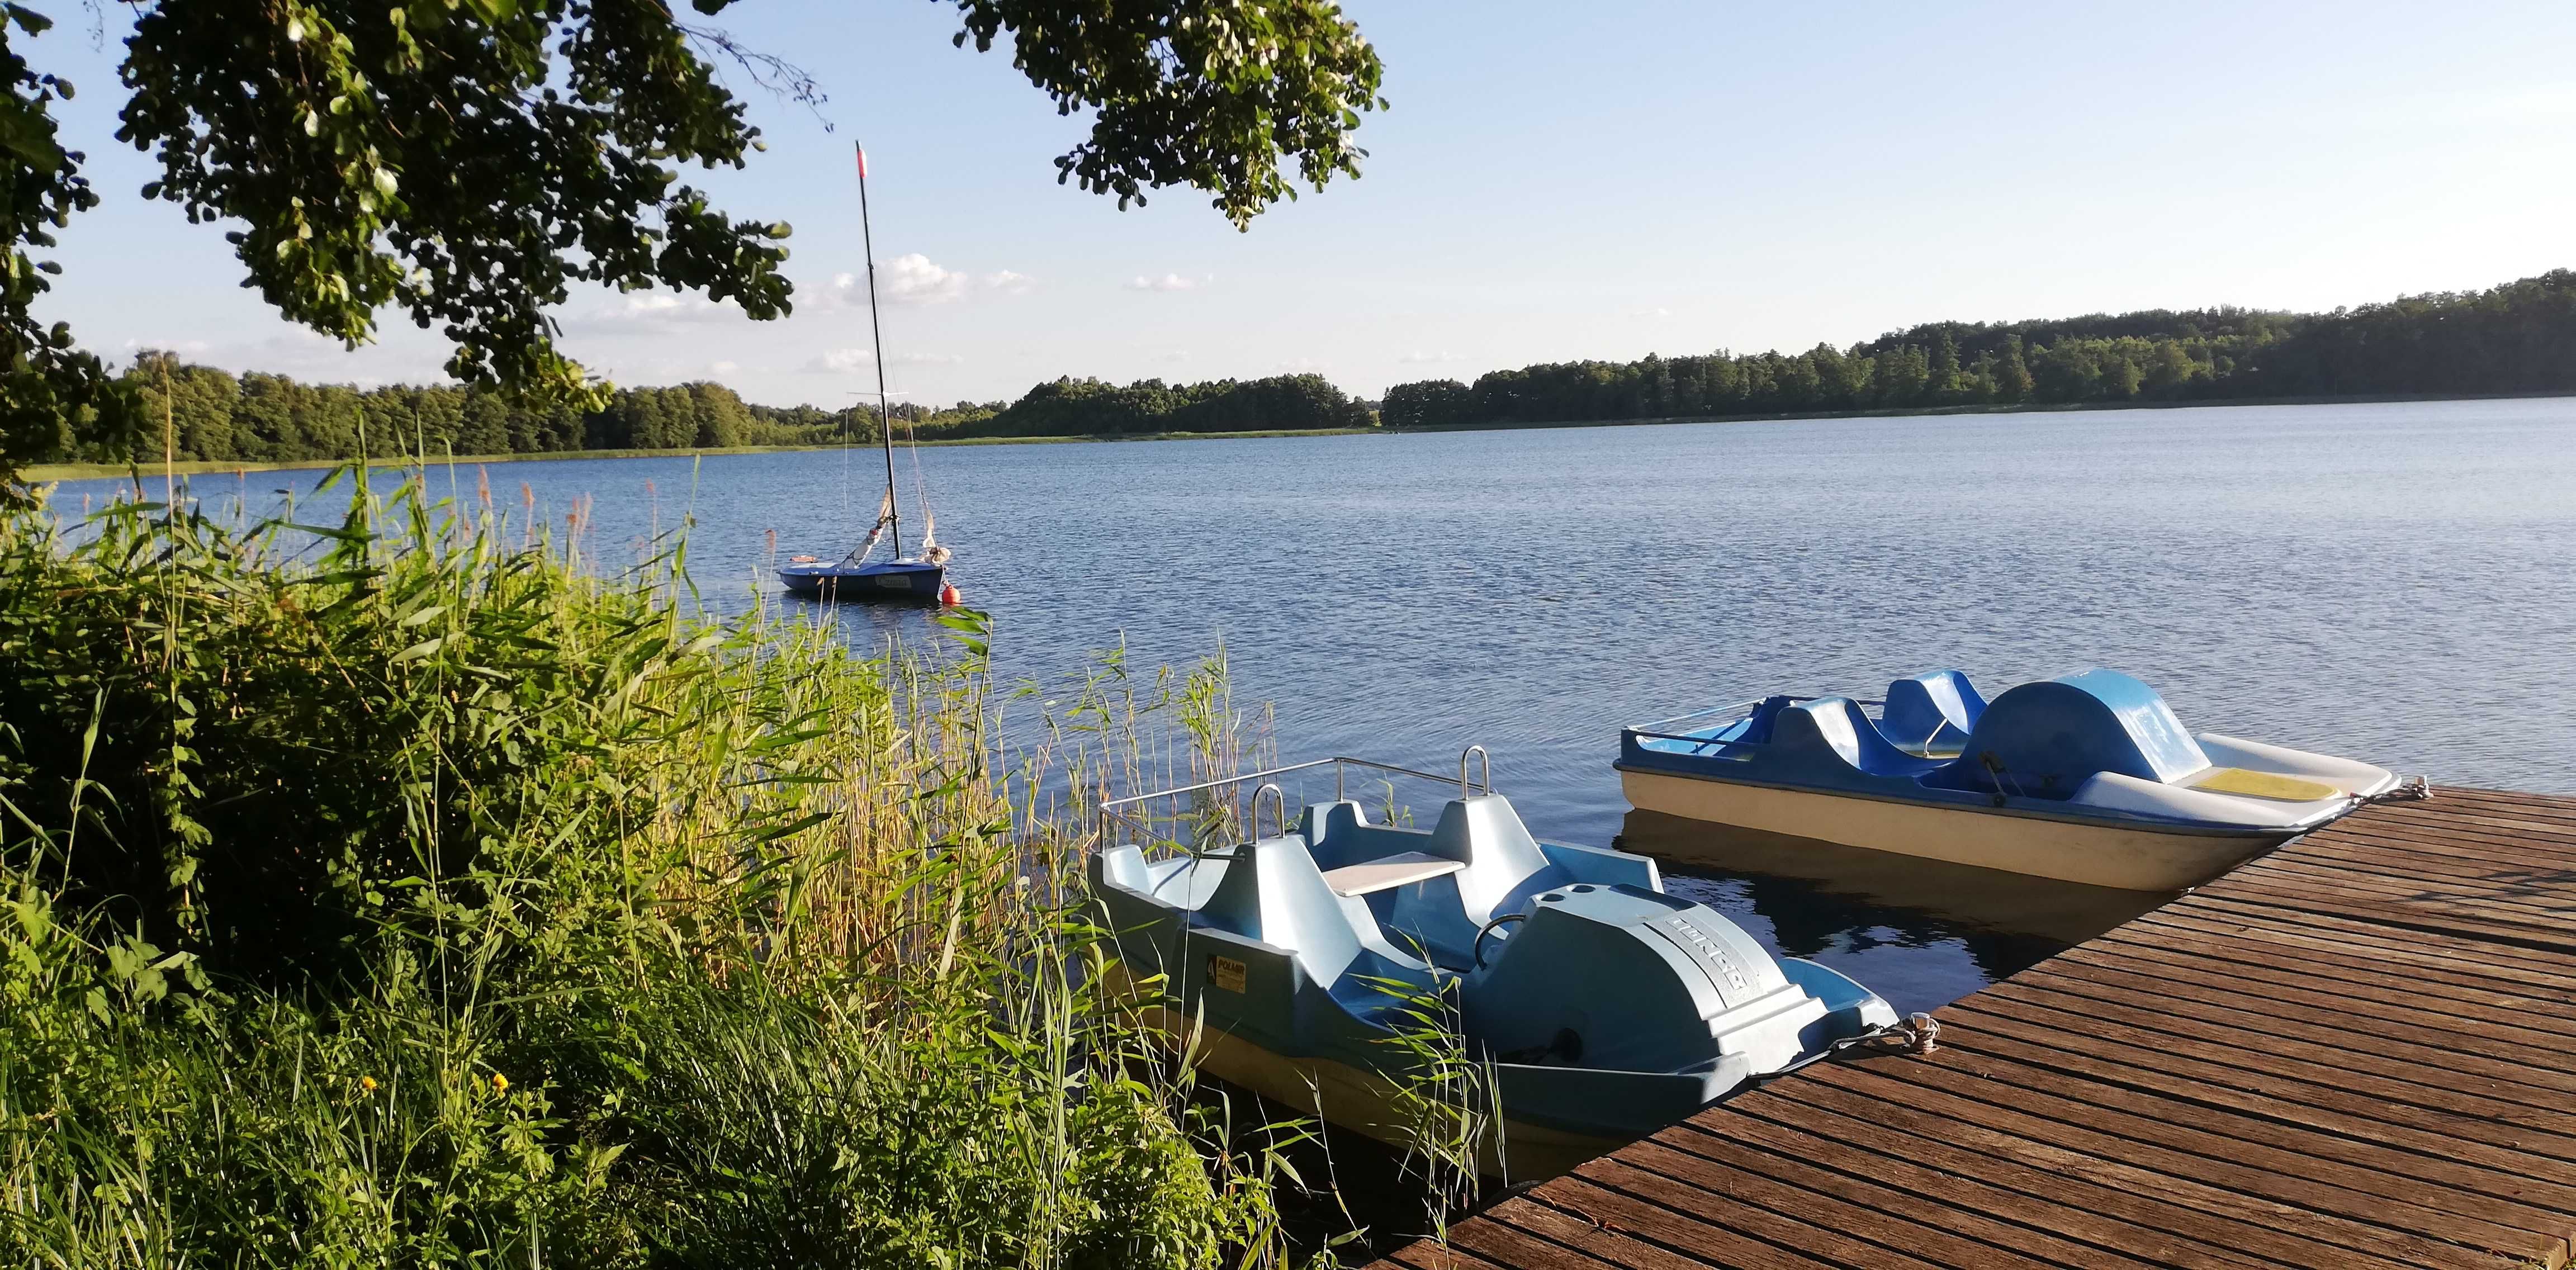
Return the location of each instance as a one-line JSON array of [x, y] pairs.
[[1484, 760], [1111, 808], [1279, 796], [1738, 708]]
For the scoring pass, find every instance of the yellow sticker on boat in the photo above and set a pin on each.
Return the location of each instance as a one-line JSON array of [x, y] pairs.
[[2252, 784], [1226, 972]]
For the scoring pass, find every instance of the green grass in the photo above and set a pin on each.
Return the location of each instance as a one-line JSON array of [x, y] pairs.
[[409, 894], [43, 473]]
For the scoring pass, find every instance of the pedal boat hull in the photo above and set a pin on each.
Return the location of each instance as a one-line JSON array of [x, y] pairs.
[[2086, 778], [2128, 857], [1604, 1008]]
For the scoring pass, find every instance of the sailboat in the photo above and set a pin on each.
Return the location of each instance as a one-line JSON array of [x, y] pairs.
[[858, 576]]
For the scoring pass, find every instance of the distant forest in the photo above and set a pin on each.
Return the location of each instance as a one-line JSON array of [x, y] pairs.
[[2520, 337], [2516, 338], [258, 418]]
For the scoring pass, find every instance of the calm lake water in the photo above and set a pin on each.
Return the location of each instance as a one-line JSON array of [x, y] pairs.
[[2389, 582]]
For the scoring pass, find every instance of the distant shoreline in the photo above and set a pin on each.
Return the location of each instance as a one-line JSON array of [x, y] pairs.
[[1982, 408], [43, 473]]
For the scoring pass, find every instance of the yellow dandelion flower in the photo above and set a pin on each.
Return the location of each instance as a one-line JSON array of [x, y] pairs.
[[500, 1083], [367, 1083]]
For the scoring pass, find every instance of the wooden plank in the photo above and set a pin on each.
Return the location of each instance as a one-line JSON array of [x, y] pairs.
[[1935, 1165], [1423, 1254], [2514, 846], [1968, 1206], [2451, 896], [1702, 1222], [2209, 1188], [1506, 1244], [2390, 869], [1910, 1241], [2519, 1059], [2004, 1243], [2172, 954], [2293, 930], [2543, 838], [2509, 878], [2363, 1170], [2552, 965], [2242, 1091], [2476, 919], [2504, 869], [2423, 851], [2356, 1050], [1610, 1242]]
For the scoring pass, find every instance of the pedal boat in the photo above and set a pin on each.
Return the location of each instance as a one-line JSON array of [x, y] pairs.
[[1607, 1009], [2087, 778]]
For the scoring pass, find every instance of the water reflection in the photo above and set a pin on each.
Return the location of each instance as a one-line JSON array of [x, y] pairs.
[[1921, 933]]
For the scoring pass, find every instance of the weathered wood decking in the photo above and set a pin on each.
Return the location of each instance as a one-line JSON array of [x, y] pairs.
[[2356, 1051]]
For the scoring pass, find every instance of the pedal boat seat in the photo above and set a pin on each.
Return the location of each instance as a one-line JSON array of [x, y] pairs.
[[1829, 732], [1931, 714]]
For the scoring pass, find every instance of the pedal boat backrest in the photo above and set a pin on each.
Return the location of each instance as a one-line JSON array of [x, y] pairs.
[[1273, 892], [2044, 739], [1820, 733], [1930, 712], [1504, 865]]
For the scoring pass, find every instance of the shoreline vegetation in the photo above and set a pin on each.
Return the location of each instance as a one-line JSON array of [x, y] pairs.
[[2518, 339], [406, 893], [49, 473]]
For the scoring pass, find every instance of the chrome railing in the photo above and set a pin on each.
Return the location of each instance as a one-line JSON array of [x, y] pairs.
[[1117, 811]]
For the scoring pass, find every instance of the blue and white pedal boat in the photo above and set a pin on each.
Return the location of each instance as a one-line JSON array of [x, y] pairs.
[[2087, 777], [1607, 1009]]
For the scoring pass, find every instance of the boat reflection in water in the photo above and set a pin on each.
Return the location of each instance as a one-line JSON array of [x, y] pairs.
[[1922, 932]]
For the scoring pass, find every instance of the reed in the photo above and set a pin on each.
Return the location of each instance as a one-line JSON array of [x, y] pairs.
[[398, 891]]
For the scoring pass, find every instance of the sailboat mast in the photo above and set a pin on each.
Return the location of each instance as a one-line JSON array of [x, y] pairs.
[[876, 335]]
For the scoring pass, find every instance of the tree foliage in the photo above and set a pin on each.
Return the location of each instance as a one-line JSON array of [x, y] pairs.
[[215, 416], [2519, 337], [467, 164]]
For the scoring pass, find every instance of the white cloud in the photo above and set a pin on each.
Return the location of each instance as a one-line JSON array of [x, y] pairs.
[[1301, 365], [1168, 282], [913, 278], [723, 368], [844, 360], [1650, 313], [1419, 358], [650, 311]]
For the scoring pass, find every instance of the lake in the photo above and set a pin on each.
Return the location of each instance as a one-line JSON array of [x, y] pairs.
[[2385, 581]]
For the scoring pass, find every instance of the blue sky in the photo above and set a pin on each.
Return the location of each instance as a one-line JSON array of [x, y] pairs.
[[1554, 181]]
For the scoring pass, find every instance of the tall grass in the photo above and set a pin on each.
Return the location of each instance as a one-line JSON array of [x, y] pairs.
[[394, 891]]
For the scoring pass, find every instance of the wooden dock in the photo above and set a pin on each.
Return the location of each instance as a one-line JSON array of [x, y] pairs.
[[2358, 1051]]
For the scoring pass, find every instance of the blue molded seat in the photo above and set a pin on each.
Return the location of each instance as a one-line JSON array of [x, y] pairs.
[[1932, 711], [1827, 730]]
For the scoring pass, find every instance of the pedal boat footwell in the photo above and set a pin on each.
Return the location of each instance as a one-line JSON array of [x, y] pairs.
[[1607, 1009], [2087, 778]]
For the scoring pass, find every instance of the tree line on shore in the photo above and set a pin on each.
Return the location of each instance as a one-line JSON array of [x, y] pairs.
[[213, 415], [2519, 337]]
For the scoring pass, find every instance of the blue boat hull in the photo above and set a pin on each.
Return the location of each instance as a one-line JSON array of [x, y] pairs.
[[884, 581], [2085, 778], [1603, 1008]]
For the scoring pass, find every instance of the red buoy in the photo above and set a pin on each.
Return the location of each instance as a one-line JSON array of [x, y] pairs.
[[948, 594]]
